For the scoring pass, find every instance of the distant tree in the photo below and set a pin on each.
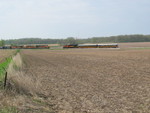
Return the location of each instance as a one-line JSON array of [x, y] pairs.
[[2, 42], [71, 40]]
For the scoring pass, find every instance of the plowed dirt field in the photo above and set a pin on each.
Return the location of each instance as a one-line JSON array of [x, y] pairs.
[[135, 45], [5, 53], [93, 80]]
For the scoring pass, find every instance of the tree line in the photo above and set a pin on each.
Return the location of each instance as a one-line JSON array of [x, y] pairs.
[[2, 42], [72, 40]]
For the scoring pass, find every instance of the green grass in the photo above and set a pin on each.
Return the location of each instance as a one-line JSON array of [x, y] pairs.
[[3, 66], [17, 51], [140, 48], [57, 49], [38, 101], [8, 110]]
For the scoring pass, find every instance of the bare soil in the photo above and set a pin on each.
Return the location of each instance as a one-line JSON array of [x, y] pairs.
[[134, 45], [92, 80], [5, 53]]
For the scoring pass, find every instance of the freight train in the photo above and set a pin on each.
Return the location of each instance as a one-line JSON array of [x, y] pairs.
[[113, 45], [26, 47]]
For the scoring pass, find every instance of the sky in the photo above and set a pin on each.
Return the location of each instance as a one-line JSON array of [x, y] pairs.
[[73, 18]]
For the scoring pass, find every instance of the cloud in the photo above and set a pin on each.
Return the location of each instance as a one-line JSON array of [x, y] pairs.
[[52, 11], [62, 18]]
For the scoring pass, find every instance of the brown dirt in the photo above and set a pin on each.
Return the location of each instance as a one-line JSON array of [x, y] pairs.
[[5, 53], [93, 80], [134, 45]]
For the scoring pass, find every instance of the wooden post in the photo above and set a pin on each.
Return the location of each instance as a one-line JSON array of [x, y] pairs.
[[5, 80]]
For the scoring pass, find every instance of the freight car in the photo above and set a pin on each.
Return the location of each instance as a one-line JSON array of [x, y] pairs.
[[31, 46], [16, 47], [42, 46], [5, 47], [113, 45], [35, 46]]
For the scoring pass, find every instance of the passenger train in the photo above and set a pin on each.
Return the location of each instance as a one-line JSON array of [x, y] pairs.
[[113, 45]]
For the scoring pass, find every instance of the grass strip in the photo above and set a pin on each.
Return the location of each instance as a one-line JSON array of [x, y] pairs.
[[4, 65], [8, 110], [140, 48]]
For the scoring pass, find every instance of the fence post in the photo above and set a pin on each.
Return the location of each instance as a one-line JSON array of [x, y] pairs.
[[5, 81]]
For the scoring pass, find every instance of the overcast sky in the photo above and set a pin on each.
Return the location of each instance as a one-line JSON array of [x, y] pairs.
[[73, 18]]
